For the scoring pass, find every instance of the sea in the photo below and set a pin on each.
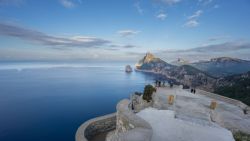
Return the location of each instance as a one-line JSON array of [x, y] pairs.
[[48, 101]]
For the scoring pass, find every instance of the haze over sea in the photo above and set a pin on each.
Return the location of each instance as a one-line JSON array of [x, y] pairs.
[[48, 101]]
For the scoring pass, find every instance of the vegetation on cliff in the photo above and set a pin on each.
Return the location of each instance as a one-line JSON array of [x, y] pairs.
[[239, 136], [148, 91], [236, 87]]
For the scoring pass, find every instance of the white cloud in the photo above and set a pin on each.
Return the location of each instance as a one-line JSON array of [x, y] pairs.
[[169, 2], [197, 14], [137, 5], [191, 23], [126, 33], [161, 16], [67, 3]]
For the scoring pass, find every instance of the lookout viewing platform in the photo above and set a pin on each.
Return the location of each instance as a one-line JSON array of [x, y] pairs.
[[174, 114]]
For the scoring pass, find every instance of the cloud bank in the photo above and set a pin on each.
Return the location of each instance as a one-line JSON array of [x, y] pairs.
[[237, 49], [44, 39]]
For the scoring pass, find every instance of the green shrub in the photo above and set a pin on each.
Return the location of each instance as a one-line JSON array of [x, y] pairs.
[[239, 136], [148, 91]]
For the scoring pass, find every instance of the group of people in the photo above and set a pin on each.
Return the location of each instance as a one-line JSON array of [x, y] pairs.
[[159, 83], [193, 90]]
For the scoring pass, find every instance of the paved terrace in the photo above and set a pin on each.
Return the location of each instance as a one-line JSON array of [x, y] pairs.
[[190, 117]]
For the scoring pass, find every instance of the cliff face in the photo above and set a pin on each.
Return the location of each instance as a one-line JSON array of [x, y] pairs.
[[151, 63], [184, 74]]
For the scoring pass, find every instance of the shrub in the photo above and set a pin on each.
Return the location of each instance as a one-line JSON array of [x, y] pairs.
[[148, 91], [239, 136]]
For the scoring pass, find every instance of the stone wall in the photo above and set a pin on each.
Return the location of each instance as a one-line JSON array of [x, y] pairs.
[[96, 126], [224, 99], [129, 126]]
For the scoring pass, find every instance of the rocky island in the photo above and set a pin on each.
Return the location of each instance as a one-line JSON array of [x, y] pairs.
[[128, 68]]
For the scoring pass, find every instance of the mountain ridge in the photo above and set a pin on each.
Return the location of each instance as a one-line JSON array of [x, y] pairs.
[[235, 86], [223, 66], [184, 74]]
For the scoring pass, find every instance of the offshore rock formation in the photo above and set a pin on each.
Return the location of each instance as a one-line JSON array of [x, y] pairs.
[[128, 68]]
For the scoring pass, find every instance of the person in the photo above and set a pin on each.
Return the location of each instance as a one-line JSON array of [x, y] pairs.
[[156, 82], [194, 91], [171, 84]]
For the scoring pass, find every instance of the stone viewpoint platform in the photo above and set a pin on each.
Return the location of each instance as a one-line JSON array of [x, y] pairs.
[[186, 117]]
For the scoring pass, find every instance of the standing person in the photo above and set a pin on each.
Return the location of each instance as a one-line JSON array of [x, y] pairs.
[[194, 91], [156, 83]]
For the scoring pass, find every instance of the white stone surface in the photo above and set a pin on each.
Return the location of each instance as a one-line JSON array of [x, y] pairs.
[[189, 106], [168, 128]]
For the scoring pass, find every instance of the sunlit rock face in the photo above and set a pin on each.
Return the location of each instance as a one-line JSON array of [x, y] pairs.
[[146, 59], [152, 63]]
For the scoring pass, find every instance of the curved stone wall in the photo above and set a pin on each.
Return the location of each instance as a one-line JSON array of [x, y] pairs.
[[224, 99], [95, 126], [129, 126]]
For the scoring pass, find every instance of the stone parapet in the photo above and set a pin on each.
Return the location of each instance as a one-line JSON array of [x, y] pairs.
[[224, 99], [96, 126], [129, 126]]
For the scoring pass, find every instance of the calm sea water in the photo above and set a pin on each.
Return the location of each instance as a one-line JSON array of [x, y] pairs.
[[49, 101]]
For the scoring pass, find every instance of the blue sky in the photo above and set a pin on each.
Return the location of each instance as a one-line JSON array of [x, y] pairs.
[[123, 30]]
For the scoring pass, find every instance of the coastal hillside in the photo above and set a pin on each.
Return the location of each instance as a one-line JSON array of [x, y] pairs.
[[235, 86], [223, 66], [190, 76], [185, 74], [180, 62]]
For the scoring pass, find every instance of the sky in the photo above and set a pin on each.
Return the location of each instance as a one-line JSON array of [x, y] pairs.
[[123, 30]]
